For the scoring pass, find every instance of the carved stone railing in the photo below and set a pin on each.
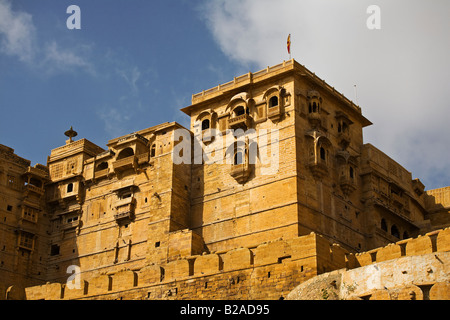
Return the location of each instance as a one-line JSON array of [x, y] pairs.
[[274, 112], [347, 184], [31, 188], [70, 225], [101, 173], [125, 209], [241, 121], [125, 163]]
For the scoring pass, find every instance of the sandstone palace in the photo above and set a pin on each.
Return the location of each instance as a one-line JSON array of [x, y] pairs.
[[302, 210]]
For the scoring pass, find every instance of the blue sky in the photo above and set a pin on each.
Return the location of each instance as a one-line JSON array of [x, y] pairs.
[[135, 63]]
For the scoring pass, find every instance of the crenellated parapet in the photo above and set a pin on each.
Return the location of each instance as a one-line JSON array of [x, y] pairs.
[[282, 263], [412, 269], [436, 241], [268, 271]]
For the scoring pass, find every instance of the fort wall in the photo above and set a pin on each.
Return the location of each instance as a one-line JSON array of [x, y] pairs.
[[269, 271], [413, 269]]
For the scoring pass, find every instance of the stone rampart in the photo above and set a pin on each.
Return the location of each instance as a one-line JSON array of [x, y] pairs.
[[268, 271], [412, 269]]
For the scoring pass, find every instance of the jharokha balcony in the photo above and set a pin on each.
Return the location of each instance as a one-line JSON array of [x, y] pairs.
[[124, 163], [124, 209], [347, 184], [242, 121]]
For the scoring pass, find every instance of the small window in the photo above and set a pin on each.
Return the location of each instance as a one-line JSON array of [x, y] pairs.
[[239, 111], [69, 187], [54, 250], [273, 102], [9, 208], [323, 155], [383, 225], [153, 151], [125, 153], [351, 172], [395, 232], [238, 158], [205, 124], [26, 240], [126, 195], [405, 235], [344, 127]]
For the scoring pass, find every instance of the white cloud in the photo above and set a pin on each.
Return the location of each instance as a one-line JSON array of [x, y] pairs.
[[401, 71], [17, 33], [57, 59], [114, 120], [18, 38], [131, 77]]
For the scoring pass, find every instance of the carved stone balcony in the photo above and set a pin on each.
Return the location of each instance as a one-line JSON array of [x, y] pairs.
[[207, 136], [314, 119], [318, 167], [101, 173], [242, 121], [142, 158], [240, 172], [397, 200], [347, 185], [70, 225], [125, 163], [30, 188], [125, 209], [344, 139], [274, 113]]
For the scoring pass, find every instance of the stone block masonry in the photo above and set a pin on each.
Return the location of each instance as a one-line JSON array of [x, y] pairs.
[[272, 270]]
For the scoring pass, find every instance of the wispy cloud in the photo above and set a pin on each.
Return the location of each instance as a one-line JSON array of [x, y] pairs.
[[18, 38], [402, 71], [17, 33], [131, 77], [115, 120], [57, 59]]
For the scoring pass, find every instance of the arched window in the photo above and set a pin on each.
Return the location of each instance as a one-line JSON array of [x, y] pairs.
[[69, 187], [323, 154], [395, 232], [314, 107], [205, 124], [102, 166], [383, 225], [238, 111], [273, 102], [344, 127], [127, 152], [153, 150], [239, 157], [351, 172]]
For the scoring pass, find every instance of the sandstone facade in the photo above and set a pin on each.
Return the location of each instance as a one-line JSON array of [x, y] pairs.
[[270, 186]]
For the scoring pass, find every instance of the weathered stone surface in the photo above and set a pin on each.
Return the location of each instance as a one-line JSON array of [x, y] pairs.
[[297, 195]]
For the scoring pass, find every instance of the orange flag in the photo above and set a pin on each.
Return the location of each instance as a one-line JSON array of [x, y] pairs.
[[289, 44]]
